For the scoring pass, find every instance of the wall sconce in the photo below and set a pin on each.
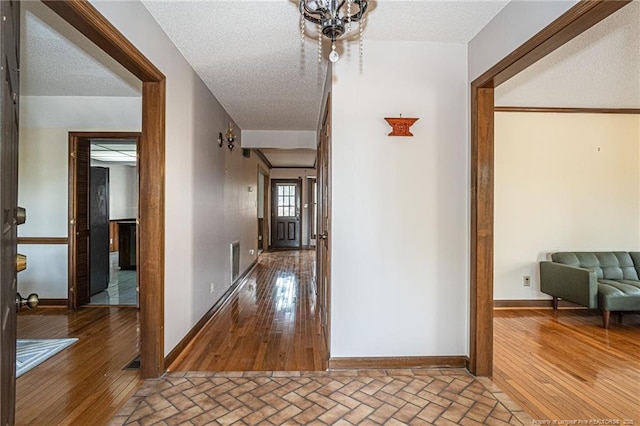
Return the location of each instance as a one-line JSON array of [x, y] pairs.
[[231, 137]]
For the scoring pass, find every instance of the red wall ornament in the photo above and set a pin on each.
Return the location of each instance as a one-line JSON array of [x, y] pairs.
[[400, 126]]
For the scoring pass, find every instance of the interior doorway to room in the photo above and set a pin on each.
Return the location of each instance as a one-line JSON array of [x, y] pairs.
[[103, 211], [286, 226], [575, 21]]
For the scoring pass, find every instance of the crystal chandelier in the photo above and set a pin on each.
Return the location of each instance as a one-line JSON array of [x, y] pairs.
[[332, 21]]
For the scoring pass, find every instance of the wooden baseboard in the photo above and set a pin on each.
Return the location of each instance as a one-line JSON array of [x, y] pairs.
[[398, 362], [226, 297], [53, 302], [534, 303]]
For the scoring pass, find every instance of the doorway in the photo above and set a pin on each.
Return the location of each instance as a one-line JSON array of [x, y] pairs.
[[285, 213], [102, 249], [578, 19]]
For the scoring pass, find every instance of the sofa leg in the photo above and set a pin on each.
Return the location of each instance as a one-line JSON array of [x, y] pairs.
[[555, 303], [605, 318]]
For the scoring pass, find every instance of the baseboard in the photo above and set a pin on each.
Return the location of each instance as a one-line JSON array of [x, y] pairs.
[[182, 345], [534, 303], [398, 362], [52, 302]]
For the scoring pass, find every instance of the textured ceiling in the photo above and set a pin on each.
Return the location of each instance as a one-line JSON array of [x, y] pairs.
[[56, 60], [302, 158], [600, 68], [249, 54]]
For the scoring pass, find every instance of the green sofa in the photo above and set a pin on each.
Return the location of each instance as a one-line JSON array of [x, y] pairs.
[[598, 280]]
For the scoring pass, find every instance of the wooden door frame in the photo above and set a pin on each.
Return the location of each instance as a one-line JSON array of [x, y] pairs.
[[575, 21], [324, 155], [75, 139], [266, 207], [81, 15], [273, 213]]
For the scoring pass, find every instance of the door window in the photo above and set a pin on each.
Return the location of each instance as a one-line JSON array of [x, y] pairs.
[[286, 199]]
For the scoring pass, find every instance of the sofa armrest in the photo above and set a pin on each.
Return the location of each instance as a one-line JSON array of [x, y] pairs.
[[577, 285]]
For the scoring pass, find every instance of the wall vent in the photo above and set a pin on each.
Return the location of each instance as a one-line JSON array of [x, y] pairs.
[[235, 261]]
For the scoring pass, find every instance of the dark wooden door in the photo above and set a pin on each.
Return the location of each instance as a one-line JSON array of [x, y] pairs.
[[9, 45], [323, 232], [285, 213], [98, 229], [80, 152]]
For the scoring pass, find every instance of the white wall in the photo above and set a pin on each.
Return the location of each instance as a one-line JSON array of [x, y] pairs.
[[509, 29], [123, 190], [43, 176], [563, 182], [399, 211], [305, 196], [208, 204]]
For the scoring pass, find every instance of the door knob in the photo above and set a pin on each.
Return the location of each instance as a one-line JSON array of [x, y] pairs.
[[30, 302], [21, 262], [21, 215]]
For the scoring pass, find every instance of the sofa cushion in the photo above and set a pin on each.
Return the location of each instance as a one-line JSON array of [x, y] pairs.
[[635, 256], [618, 295], [607, 265]]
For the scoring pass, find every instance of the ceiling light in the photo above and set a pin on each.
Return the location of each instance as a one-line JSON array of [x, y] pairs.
[[332, 19]]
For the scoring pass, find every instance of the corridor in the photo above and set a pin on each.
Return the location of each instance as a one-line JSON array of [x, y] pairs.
[[269, 324]]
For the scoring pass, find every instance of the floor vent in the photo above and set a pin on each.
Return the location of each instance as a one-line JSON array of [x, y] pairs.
[[133, 365], [235, 261]]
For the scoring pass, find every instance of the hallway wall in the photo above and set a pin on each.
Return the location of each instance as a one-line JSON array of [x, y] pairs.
[[207, 202], [399, 210]]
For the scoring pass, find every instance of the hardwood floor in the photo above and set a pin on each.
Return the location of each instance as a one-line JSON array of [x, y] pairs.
[[85, 383], [563, 365], [270, 324]]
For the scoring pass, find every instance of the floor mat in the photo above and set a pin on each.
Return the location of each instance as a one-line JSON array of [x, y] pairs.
[[31, 352]]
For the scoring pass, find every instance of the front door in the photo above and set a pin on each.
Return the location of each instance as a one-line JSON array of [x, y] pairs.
[[10, 31], [285, 213]]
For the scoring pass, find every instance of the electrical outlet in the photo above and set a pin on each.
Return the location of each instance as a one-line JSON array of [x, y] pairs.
[[526, 281], [213, 287]]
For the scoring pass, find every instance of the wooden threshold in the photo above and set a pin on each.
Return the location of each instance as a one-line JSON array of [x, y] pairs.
[[339, 363]]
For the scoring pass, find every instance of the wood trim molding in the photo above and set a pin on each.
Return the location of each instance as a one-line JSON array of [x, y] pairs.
[[43, 240], [52, 302], [264, 158], [564, 110], [86, 19], [208, 316], [575, 21], [340, 363], [533, 303]]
